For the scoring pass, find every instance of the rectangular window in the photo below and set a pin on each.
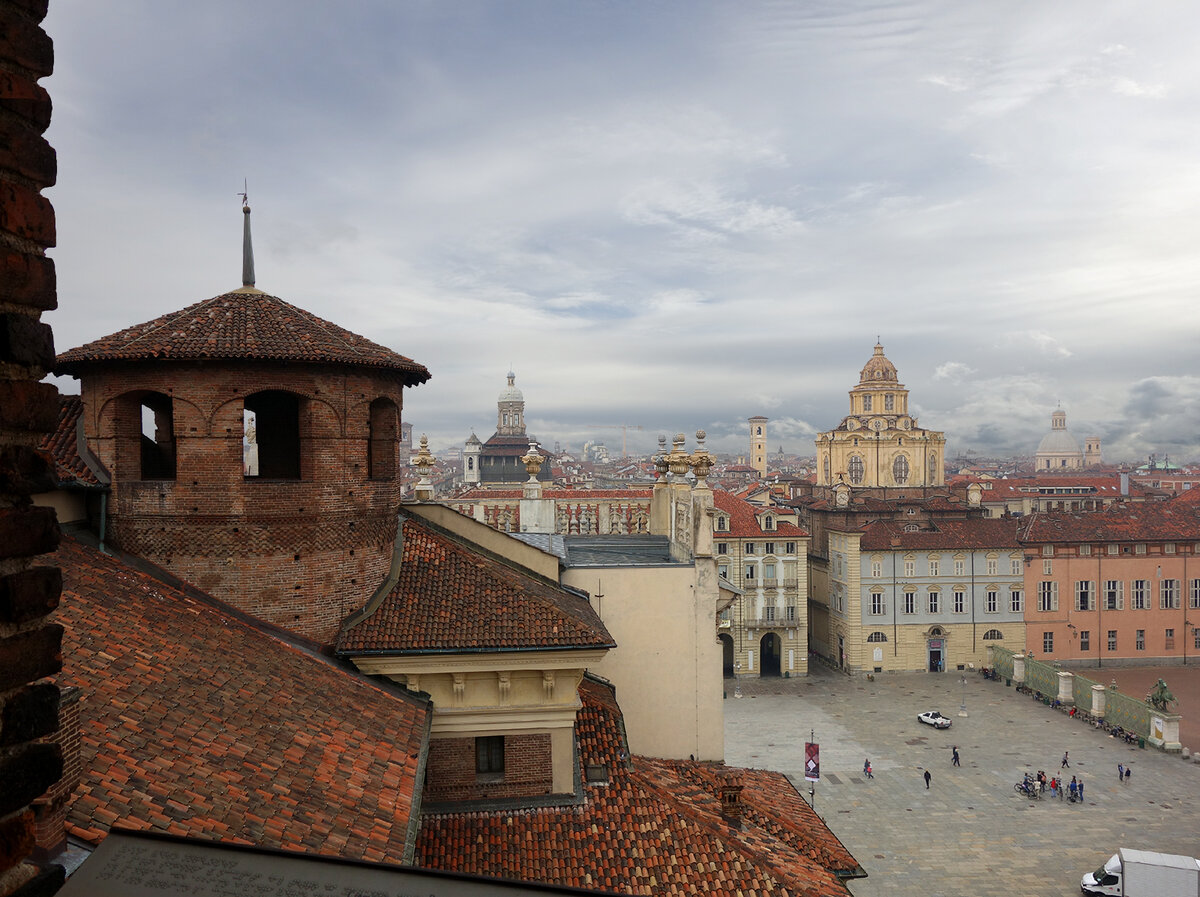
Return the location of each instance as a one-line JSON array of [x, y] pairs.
[[889, 402], [722, 548], [1169, 639], [1194, 594], [933, 602], [1047, 596], [1047, 568], [790, 612], [768, 571], [1085, 550], [1047, 551], [910, 568], [1085, 640], [1014, 567], [1111, 549], [1112, 640], [992, 601], [993, 567], [960, 602], [1196, 637], [750, 572], [1169, 548], [1113, 597], [489, 756], [1139, 597], [1084, 589], [1047, 642], [769, 613], [910, 602], [789, 548], [876, 569], [723, 570], [1139, 548], [749, 548], [769, 548], [935, 567], [1168, 594], [877, 605], [1139, 641], [1016, 601], [960, 568], [866, 402]]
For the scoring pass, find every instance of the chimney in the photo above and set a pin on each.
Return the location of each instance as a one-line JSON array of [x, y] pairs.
[[730, 787], [50, 810]]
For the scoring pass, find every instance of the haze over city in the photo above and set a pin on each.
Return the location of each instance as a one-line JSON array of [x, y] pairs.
[[674, 215]]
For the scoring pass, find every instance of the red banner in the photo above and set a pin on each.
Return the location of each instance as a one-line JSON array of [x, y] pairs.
[[812, 761]]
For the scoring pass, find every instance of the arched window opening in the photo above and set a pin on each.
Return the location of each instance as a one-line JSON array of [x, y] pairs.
[[381, 444], [856, 469], [900, 470], [157, 437], [993, 635], [272, 421], [877, 637], [827, 469]]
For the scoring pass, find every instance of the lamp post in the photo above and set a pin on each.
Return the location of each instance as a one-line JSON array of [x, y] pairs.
[[962, 710]]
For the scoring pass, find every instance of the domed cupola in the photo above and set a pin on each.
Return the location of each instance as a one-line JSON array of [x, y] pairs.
[[878, 369], [510, 409]]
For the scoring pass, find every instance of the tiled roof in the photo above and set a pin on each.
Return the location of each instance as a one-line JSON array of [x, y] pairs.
[[643, 494], [988, 532], [244, 325], [452, 597], [199, 722], [1134, 522], [656, 827], [1188, 496], [744, 519], [1096, 486], [63, 445]]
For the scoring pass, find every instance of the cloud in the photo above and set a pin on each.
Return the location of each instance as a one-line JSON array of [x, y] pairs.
[[954, 371]]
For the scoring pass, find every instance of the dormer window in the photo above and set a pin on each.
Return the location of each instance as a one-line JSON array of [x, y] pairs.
[[768, 523], [722, 524]]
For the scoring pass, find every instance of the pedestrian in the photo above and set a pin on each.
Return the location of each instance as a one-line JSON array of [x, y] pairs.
[[867, 768], [955, 749], [1073, 788], [1065, 764], [1128, 772], [1053, 787], [1081, 790], [1120, 771], [927, 778]]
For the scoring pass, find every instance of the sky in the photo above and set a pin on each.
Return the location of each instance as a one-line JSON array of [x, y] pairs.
[[670, 215]]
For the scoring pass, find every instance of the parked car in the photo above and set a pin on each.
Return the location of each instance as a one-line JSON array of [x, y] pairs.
[[935, 719]]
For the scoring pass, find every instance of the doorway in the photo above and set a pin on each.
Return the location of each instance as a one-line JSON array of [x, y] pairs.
[[770, 648], [726, 656], [937, 655]]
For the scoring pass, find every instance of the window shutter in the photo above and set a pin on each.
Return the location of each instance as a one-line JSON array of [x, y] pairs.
[[1053, 596]]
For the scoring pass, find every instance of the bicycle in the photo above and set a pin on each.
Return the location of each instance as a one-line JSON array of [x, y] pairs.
[[1029, 789]]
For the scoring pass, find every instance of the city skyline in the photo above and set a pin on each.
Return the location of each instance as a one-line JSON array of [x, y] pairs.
[[676, 216]]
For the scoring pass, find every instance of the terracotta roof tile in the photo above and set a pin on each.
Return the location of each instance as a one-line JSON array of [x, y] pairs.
[[198, 722], [452, 597], [1133, 522], [988, 532], [63, 445], [656, 827], [244, 325], [745, 518]]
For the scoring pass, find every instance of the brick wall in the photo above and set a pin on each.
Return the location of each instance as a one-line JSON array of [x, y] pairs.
[[301, 554], [30, 644], [450, 770]]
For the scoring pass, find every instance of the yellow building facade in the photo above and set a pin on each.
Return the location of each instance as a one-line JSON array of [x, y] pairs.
[[879, 444]]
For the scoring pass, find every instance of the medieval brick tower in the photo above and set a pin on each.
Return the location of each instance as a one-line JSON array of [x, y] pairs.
[[253, 451]]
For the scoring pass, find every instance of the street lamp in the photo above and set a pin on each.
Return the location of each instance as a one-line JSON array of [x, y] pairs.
[[962, 710]]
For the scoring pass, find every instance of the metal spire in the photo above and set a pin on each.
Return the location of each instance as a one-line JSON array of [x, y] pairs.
[[247, 247]]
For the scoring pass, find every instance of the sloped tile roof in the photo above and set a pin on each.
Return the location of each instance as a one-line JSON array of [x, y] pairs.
[[656, 827], [243, 325], [198, 722], [453, 597], [973, 533], [1133, 522], [744, 519], [642, 494], [63, 445]]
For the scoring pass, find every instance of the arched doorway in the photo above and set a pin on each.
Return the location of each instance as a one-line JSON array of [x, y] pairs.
[[769, 650], [936, 650], [726, 655]]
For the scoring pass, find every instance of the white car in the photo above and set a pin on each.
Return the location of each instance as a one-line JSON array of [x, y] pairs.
[[935, 719]]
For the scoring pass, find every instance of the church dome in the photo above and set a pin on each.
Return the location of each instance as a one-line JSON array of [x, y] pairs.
[[510, 393], [878, 369], [1058, 442]]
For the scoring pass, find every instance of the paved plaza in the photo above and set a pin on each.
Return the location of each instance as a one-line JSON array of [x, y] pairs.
[[970, 833]]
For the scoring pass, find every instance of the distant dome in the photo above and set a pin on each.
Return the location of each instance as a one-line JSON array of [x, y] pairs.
[[1058, 442], [510, 393], [878, 369]]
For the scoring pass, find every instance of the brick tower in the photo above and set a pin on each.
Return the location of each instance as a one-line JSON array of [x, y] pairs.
[[252, 448]]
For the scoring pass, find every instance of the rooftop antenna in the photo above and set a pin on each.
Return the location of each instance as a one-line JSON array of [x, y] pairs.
[[247, 248]]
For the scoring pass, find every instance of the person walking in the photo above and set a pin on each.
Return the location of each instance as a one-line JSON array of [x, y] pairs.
[[955, 749], [1073, 788], [1128, 772], [1065, 764], [1120, 771], [1081, 790], [867, 768], [927, 778]]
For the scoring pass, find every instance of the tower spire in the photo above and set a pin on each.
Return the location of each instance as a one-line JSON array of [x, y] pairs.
[[247, 247]]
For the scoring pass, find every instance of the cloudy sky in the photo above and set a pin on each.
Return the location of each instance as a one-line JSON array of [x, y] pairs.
[[673, 215]]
